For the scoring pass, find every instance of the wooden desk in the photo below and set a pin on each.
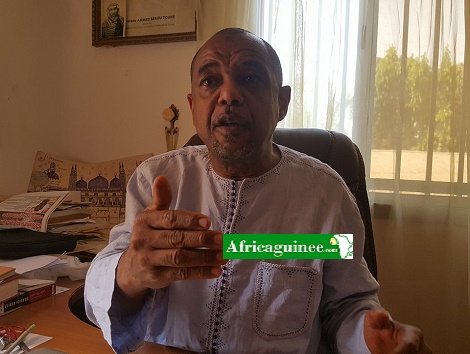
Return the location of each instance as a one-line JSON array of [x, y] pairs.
[[53, 318]]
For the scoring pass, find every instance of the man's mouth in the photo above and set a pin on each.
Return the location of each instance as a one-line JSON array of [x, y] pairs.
[[230, 129], [229, 122]]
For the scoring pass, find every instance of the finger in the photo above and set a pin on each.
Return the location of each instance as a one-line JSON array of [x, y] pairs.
[[161, 200], [406, 348], [410, 339], [184, 258], [161, 194], [167, 275], [378, 319], [174, 239], [173, 220]]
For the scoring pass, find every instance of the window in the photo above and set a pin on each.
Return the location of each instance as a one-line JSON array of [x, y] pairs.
[[418, 134], [389, 74]]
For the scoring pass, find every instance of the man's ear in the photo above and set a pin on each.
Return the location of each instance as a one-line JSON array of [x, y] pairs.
[[284, 99], [189, 97], [190, 101]]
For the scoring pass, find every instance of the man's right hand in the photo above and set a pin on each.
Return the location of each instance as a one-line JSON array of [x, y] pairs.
[[166, 246]]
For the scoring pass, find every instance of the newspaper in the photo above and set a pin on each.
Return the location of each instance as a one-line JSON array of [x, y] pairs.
[[101, 185], [30, 210]]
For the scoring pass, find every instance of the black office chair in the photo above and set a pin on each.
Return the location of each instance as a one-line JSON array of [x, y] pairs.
[[338, 151]]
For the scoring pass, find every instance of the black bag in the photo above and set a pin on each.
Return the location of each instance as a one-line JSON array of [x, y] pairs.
[[21, 243]]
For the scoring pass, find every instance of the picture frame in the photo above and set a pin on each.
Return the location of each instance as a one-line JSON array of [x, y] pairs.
[[125, 22]]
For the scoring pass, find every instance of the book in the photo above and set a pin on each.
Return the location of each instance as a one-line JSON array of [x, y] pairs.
[[28, 295], [61, 216], [6, 272], [9, 287], [28, 284]]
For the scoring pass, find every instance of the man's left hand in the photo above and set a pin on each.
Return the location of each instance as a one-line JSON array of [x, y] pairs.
[[384, 335]]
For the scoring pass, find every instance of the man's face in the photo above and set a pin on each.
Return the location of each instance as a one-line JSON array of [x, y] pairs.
[[235, 99], [113, 12]]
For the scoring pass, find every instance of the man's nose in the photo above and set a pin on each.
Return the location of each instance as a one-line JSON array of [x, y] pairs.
[[230, 94]]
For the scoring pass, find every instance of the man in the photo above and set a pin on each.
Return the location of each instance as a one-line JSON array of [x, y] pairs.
[[163, 279], [113, 26]]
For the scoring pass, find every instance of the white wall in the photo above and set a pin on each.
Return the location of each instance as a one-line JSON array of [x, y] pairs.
[[61, 95]]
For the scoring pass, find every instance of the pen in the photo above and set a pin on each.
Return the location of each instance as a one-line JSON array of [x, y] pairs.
[[20, 339]]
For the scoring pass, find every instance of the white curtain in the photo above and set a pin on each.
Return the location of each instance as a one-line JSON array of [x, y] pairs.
[[394, 75], [418, 165]]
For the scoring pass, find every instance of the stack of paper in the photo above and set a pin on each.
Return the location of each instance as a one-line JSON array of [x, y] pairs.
[[55, 211], [72, 217]]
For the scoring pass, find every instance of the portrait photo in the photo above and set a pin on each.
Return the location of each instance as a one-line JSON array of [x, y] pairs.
[[113, 18]]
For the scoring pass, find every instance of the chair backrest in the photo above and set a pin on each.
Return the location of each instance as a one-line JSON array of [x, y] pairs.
[[340, 153]]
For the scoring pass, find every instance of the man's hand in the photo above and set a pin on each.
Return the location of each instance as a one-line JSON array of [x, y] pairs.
[[166, 246], [383, 335]]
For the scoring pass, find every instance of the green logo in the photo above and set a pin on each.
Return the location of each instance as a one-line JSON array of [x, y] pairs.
[[288, 246]]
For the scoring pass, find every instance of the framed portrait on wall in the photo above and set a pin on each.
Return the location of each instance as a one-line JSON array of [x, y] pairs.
[[122, 22]]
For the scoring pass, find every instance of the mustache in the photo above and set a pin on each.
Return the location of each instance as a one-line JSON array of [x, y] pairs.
[[229, 119]]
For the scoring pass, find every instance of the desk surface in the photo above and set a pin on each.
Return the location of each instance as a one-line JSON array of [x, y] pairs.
[[53, 318]]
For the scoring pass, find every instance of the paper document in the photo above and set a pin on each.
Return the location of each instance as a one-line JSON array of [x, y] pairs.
[[28, 264], [30, 210], [32, 340]]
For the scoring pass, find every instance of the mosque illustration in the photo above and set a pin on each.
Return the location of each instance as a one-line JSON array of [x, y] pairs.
[[99, 191]]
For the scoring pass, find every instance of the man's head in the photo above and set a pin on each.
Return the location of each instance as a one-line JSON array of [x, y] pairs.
[[113, 11], [237, 97], [275, 62]]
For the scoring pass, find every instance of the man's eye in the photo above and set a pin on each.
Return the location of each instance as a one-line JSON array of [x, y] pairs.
[[207, 82], [251, 78]]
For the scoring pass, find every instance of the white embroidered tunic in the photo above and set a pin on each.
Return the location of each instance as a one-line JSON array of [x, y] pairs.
[[272, 306]]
